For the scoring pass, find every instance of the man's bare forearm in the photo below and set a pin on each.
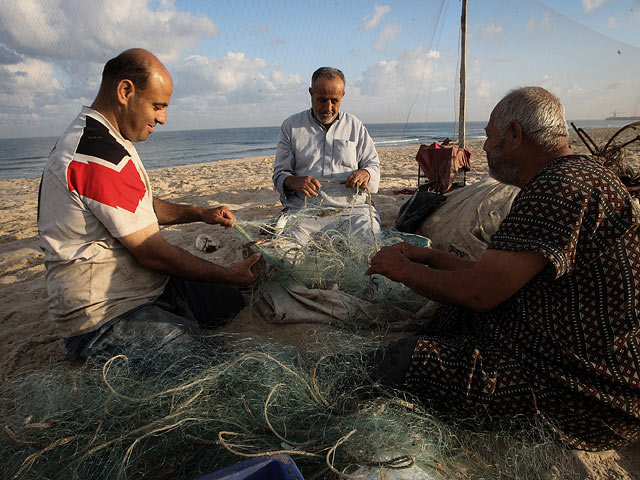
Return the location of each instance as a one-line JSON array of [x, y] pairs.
[[177, 262], [152, 251], [174, 213]]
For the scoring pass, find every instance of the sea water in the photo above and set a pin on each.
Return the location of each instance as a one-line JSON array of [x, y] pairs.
[[25, 157]]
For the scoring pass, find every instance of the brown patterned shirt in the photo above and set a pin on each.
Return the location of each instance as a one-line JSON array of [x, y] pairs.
[[579, 320]]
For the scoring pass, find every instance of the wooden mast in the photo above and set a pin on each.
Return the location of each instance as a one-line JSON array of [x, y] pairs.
[[463, 68]]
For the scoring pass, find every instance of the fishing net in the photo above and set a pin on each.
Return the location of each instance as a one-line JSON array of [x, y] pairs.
[[332, 267], [180, 417], [172, 415]]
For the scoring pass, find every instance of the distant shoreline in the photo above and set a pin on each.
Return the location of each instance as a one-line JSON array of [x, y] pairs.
[[590, 123], [20, 159]]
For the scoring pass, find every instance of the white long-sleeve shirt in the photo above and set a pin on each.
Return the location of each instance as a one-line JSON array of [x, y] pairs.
[[305, 147]]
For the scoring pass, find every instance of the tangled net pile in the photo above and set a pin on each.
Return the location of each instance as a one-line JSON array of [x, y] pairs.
[[181, 417], [332, 260]]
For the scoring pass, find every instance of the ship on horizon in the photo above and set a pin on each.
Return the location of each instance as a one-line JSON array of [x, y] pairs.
[[614, 116]]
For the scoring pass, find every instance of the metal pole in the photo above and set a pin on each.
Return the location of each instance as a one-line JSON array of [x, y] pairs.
[[463, 68]]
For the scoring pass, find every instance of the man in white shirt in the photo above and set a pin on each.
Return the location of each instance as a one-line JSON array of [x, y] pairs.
[[327, 162], [113, 280]]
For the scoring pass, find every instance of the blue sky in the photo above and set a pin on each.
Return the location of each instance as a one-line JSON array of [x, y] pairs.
[[242, 63]]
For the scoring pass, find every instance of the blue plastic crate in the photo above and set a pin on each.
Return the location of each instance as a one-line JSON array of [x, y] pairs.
[[275, 467]]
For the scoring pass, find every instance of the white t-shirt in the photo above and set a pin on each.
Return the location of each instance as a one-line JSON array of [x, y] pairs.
[[94, 190]]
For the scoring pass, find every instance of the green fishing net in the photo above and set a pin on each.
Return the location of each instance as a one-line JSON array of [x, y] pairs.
[[170, 416], [181, 415]]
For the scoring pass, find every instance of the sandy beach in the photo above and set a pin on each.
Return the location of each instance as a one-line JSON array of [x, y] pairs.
[[28, 339]]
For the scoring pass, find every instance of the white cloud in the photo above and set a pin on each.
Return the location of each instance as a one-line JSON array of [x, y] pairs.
[[224, 87], [234, 91], [51, 60], [575, 90], [483, 89], [391, 79], [95, 31], [372, 20], [549, 82], [531, 24], [591, 5], [32, 100], [30, 83], [546, 21], [386, 34], [479, 65], [412, 86], [52, 51], [612, 22], [492, 31], [216, 75]]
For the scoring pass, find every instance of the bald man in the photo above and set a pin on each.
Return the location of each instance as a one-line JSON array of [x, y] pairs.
[[113, 281]]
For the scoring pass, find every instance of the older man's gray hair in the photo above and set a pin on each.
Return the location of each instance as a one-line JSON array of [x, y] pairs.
[[327, 72], [540, 113]]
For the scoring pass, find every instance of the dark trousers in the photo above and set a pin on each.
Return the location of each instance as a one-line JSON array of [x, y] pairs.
[[174, 320]]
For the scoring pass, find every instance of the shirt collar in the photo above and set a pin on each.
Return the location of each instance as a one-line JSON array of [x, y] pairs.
[[325, 127], [99, 117]]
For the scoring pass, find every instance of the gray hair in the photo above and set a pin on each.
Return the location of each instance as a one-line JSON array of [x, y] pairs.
[[328, 72], [540, 113]]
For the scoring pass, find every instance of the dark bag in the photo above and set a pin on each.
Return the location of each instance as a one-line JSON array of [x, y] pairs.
[[416, 209]]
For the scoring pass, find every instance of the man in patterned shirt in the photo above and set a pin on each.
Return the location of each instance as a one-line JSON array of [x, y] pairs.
[[547, 322], [113, 280]]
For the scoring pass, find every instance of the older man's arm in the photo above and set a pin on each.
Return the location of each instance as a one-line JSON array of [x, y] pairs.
[[368, 160], [433, 257], [479, 286], [283, 166], [285, 179], [359, 178]]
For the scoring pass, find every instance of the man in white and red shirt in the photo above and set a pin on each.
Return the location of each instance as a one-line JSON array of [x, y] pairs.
[[112, 279]]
